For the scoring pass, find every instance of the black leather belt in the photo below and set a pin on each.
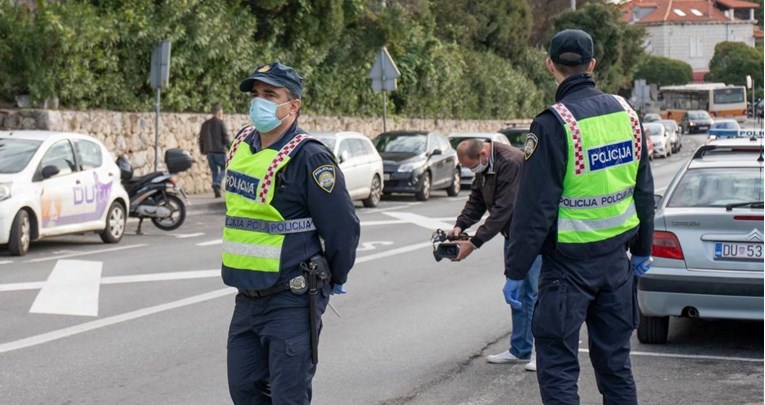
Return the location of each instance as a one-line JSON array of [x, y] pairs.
[[266, 292]]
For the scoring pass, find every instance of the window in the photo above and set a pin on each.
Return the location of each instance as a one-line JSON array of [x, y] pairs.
[[60, 155], [357, 147], [90, 154], [696, 47], [697, 13], [15, 154], [716, 187], [679, 12], [726, 96], [344, 150]]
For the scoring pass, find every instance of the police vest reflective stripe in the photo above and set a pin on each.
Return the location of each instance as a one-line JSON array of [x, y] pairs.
[[254, 231], [603, 157]]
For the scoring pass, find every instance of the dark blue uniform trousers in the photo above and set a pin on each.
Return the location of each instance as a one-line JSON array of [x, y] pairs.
[[269, 349], [600, 292]]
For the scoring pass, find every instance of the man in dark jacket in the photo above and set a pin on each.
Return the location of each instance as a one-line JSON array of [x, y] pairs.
[[214, 142], [497, 167], [585, 197]]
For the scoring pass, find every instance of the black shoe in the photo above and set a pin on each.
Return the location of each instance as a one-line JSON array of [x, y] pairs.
[[216, 191]]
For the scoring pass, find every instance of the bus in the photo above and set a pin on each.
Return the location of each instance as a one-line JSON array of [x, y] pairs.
[[719, 100]]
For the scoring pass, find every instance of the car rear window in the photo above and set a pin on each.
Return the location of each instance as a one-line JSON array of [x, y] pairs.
[[401, 143], [15, 154], [652, 130], [717, 187]]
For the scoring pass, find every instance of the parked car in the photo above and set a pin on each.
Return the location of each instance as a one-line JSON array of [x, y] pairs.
[[708, 241], [696, 121], [651, 117], [56, 183], [516, 134], [418, 162], [466, 174], [727, 128], [660, 138], [360, 163], [675, 139]]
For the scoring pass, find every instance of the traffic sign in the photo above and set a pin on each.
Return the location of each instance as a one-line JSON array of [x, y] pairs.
[[384, 72]]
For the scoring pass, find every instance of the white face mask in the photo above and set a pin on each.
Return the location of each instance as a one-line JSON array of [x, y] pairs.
[[480, 167]]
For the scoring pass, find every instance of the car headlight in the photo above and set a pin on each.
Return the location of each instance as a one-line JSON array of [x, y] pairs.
[[410, 167], [5, 191]]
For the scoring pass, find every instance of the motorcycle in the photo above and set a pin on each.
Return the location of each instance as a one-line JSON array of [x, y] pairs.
[[156, 195]]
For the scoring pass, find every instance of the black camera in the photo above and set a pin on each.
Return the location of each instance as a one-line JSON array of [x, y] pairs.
[[444, 246]]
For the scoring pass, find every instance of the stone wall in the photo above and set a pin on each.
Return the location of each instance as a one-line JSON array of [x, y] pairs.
[[132, 134]]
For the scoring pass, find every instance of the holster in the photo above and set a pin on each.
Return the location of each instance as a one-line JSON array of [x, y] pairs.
[[317, 276]]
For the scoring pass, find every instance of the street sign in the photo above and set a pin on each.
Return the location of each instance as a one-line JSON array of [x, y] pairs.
[[748, 82], [384, 72], [160, 65]]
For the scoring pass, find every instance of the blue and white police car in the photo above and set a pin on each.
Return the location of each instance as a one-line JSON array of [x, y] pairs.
[[55, 183]]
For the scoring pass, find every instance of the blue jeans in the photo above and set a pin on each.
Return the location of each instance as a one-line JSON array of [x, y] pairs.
[[521, 339], [217, 162]]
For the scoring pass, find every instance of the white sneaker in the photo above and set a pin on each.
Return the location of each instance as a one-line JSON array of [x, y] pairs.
[[532, 364], [504, 357]]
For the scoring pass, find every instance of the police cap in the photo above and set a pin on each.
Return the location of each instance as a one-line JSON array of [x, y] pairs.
[[571, 48], [275, 74]]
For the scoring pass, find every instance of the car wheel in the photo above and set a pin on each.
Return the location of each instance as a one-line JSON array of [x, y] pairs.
[[653, 329], [21, 234], [456, 186], [115, 224], [425, 185], [375, 193]]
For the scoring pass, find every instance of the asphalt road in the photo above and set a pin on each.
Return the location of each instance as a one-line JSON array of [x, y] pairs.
[[150, 320]]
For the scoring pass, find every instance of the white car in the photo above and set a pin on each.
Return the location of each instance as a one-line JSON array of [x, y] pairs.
[[55, 183], [662, 145], [466, 175], [360, 162]]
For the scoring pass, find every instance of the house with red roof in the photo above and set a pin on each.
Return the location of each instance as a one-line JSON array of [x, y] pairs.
[[688, 30]]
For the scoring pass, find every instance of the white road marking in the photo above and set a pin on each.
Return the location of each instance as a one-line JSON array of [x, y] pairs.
[[189, 235], [371, 245], [72, 289], [92, 252], [137, 278], [386, 222], [393, 252], [419, 220], [212, 242], [6, 262], [397, 207], [688, 356], [100, 323]]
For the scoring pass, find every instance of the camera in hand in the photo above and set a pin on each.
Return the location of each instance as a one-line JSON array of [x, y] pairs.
[[444, 245]]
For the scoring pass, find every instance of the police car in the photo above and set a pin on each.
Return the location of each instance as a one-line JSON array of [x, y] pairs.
[[708, 241], [55, 183]]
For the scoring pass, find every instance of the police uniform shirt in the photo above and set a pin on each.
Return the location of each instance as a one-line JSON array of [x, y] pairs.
[[534, 229], [311, 185]]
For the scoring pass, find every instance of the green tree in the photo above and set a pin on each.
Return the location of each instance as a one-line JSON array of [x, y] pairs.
[[618, 46], [664, 71], [733, 61]]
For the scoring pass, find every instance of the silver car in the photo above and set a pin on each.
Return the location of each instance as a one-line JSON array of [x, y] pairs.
[[708, 241], [675, 139], [466, 175], [362, 166], [662, 145]]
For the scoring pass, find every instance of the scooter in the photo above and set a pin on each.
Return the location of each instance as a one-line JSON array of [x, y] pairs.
[[156, 195]]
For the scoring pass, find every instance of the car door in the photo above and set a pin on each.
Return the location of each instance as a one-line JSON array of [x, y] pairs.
[[364, 165], [97, 181], [60, 197], [348, 165], [436, 161]]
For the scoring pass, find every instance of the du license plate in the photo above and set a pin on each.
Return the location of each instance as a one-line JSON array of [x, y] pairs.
[[738, 251], [386, 176]]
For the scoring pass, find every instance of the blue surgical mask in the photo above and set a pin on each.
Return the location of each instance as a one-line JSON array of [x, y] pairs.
[[263, 114]]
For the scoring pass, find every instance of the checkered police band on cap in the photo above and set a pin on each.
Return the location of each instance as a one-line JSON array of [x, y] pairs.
[[275, 74], [571, 48]]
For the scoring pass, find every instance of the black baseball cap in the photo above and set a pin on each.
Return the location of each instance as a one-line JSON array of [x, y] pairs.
[[571, 48], [275, 74]]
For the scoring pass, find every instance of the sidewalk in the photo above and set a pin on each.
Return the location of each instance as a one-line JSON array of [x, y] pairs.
[[205, 203]]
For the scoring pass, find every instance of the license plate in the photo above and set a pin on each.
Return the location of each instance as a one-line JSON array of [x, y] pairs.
[[386, 176], [738, 251], [703, 128]]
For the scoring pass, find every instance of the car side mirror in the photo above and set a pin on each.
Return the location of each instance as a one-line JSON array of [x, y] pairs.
[[49, 171], [657, 200], [436, 152], [344, 155]]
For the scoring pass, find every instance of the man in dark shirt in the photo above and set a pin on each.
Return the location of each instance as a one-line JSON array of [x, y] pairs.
[[497, 167], [214, 142]]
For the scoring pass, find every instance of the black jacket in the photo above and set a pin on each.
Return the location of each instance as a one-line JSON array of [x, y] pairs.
[[534, 230], [213, 137], [493, 190]]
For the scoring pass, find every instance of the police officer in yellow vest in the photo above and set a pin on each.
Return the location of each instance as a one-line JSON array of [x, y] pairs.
[[585, 198], [289, 221]]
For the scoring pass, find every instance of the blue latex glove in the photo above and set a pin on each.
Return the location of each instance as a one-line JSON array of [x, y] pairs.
[[338, 289], [641, 264], [512, 292]]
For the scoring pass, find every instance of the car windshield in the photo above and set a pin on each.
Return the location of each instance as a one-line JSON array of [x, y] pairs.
[[718, 187], [15, 154], [698, 115], [653, 130], [401, 143], [326, 139], [725, 125], [651, 117]]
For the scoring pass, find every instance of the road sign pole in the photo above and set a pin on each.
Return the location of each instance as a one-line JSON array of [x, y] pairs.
[[384, 97], [156, 132]]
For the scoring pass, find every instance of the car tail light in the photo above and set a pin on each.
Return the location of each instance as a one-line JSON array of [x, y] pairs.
[[666, 245], [749, 217]]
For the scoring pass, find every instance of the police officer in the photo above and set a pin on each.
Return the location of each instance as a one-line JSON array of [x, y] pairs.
[[585, 198], [284, 196]]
